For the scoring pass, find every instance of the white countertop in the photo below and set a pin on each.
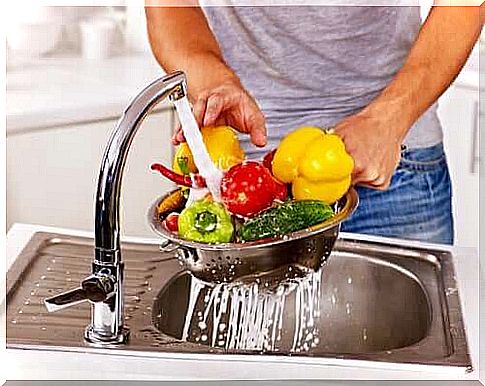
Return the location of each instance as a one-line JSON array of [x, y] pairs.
[[18, 364], [59, 91]]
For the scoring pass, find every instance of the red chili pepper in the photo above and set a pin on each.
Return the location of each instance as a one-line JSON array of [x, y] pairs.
[[180, 179]]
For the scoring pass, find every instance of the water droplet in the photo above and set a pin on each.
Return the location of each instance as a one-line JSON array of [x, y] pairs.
[[27, 302], [347, 306], [349, 280], [203, 338], [43, 328], [21, 312], [202, 325], [14, 321]]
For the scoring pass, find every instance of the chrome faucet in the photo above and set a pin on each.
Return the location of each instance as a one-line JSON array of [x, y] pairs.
[[104, 287]]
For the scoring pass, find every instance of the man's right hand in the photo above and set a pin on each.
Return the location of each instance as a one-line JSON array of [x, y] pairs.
[[227, 103], [181, 39]]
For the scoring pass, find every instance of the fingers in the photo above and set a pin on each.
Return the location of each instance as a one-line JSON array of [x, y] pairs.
[[199, 109], [228, 105], [257, 129], [372, 177], [215, 105]]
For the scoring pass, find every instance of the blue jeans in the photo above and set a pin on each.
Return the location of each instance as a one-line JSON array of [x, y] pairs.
[[416, 206]]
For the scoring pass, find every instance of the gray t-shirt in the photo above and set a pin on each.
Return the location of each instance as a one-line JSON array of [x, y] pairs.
[[316, 65]]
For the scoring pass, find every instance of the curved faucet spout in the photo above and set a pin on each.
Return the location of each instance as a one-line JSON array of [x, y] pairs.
[[107, 228]]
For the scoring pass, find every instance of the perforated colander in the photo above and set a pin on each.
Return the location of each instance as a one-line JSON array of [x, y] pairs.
[[292, 254]]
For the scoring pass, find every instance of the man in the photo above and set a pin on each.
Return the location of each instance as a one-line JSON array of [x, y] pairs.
[[372, 73]]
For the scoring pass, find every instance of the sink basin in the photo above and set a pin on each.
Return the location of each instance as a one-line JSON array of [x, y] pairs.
[[358, 306], [371, 301]]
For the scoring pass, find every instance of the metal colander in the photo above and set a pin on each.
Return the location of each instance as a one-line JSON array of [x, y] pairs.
[[291, 255]]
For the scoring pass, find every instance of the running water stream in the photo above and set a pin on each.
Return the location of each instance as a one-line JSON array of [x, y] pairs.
[[202, 160], [252, 317]]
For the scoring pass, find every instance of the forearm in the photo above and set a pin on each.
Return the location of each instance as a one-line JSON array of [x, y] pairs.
[[440, 51], [181, 39]]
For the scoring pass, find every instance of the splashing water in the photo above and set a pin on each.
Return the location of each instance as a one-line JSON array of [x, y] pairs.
[[251, 317], [202, 160]]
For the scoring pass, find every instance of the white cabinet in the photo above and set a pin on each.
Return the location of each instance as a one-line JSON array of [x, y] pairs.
[[459, 113], [52, 173]]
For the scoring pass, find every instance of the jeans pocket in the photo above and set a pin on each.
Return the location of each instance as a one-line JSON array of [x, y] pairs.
[[423, 159]]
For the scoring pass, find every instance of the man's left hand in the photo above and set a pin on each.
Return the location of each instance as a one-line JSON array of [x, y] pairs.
[[375, 148]]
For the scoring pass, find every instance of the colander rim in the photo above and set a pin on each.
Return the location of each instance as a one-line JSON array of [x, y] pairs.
[[351, 202]]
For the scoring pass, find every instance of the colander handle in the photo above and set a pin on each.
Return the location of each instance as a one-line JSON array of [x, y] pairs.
[[166, 246]]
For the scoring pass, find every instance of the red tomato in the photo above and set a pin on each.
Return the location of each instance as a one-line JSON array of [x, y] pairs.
[[247, 189], [172, 222]]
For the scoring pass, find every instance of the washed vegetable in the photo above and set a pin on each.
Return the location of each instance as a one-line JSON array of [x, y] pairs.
[[315, 163], [195, 180], [175, 201], [171, 222], [249, 188], [268, 159], [290, 216], [205, 222], [281, 189], [222, 145]]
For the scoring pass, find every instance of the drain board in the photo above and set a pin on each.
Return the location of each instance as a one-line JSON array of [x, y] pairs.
[[53, 263]]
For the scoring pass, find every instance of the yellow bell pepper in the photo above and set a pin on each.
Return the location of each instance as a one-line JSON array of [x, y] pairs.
[[315, 163], [222, 145]]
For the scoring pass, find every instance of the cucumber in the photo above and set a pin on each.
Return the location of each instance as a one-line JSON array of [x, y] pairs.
[[290, 216]]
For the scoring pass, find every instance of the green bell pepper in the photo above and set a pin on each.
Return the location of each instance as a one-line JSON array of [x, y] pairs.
[[205, 222]]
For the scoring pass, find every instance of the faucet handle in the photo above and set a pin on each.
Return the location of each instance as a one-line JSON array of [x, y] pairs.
[[96, 288], [65, 299]]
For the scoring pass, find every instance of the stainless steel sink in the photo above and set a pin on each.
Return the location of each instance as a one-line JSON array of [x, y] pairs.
[[371, 301]]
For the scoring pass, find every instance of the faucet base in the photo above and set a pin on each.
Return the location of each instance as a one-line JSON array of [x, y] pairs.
[[94, 338]]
